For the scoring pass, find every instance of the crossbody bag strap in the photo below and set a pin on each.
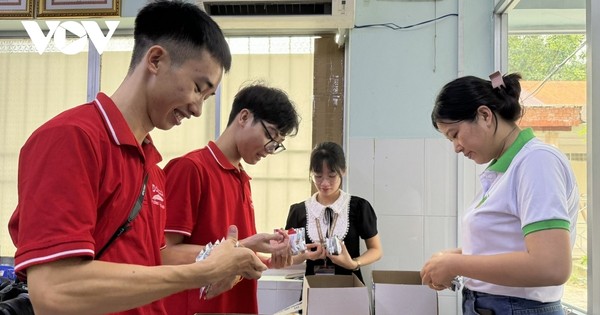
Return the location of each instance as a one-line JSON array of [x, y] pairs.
[[126, 225]]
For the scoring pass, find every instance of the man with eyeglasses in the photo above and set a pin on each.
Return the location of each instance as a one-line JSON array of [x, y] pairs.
[[209, 190]]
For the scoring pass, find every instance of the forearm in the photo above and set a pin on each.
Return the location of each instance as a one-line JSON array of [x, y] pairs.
[[180, 254], [298, 259], [546, 262], [78, 287], [517, 269], [370, 256]]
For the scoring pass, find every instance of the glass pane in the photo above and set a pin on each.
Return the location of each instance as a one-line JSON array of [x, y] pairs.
[[282, 62], [286, 63], [33, 89], [553, 67], [36, 87]]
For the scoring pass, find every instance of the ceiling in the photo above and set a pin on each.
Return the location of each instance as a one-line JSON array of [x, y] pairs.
[[544, 16], [525, 16]]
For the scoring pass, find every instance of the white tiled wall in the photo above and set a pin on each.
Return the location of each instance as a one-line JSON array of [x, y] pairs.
[[411, 183]]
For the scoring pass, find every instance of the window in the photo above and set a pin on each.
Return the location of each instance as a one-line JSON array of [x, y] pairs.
[[36, 87], [553, 93], [546, 44], [33, 88]]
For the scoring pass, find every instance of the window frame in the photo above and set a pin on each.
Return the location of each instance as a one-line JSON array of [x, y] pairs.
[[501, 12]]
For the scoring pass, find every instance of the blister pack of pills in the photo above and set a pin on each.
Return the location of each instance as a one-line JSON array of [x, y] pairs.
[[204, 253]]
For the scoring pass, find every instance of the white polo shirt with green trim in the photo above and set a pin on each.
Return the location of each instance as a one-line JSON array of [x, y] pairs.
[[530, 188]]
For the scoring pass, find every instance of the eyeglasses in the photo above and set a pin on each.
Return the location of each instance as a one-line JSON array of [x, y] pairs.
[[319, 178], [272, 147]]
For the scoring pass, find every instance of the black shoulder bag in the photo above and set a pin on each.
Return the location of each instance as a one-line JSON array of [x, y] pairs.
[[14, 297]]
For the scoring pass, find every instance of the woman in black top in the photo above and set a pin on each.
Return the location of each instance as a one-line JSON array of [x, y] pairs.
[[332, 212]]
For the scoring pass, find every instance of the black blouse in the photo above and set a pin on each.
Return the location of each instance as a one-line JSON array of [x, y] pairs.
[[362, 225]]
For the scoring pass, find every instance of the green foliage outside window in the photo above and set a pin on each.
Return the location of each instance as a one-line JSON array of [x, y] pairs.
[[560, 56]]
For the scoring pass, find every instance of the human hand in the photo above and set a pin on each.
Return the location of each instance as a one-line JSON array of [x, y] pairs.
[[278, 242], [222, 286], [343, 259], [317, 253], [280, 260], [235, 259], [436, 273]]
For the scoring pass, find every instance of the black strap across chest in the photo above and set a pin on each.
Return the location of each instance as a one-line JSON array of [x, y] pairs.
[[126, 225]]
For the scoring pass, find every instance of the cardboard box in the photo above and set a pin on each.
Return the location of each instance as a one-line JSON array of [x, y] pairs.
[[293, 309], [401, 292], [329, 294]]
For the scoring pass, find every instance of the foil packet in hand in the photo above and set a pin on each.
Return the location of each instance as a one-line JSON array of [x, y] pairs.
[[204, 253], [333, 245], [457, 283], [297, 240]]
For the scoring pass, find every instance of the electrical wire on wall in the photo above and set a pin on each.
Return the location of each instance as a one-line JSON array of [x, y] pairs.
[[396, 27]]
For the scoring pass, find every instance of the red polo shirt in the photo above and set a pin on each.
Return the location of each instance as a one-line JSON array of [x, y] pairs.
[[206, 194], [79, 176]]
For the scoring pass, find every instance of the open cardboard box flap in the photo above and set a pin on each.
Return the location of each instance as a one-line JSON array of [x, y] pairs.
[[401, 292], [327, 294]]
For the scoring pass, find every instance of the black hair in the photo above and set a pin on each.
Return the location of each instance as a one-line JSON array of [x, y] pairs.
[[182, 28], [269, 104], [459, 99], [329, 153]]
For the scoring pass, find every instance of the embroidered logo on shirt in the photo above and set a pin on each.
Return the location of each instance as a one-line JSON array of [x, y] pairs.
[[158, 198]]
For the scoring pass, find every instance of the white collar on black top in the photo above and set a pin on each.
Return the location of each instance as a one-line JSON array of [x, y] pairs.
[[314, 210]]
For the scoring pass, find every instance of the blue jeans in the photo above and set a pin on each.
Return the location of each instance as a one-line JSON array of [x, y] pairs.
[[478, 303]]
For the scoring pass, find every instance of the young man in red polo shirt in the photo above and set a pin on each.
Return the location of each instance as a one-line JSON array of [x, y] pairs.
[[208, 189], [81, 173]]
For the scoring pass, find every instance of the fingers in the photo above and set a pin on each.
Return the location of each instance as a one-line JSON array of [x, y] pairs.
[[221, 286], [280, 261], [428, 280], [284, 235], [252, 274], [314, 251], [437, 287], [276, 261], [280, 235], [315, 255], [232, 233], [252, 270]]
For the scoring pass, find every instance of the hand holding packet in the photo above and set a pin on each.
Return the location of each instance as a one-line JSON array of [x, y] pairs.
[[203, 255], [457, 283], [333, 245]]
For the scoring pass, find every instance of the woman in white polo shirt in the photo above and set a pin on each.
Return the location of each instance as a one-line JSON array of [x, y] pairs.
[[519, 231]]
